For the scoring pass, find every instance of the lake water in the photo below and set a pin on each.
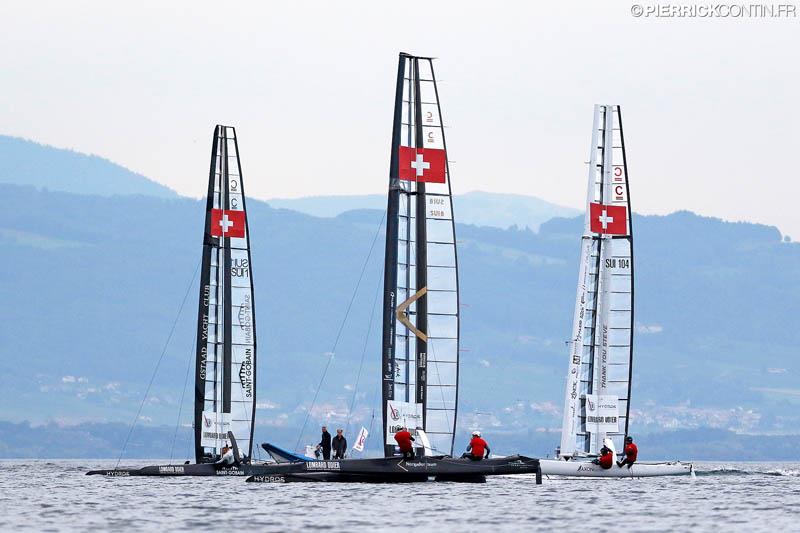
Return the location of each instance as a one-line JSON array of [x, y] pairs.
[[57, 496]]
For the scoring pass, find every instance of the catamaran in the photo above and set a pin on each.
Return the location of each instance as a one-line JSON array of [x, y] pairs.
[[225, 362], [597, 395], [419, 372]]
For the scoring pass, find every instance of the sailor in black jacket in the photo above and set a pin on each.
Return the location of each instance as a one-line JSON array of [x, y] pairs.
[[325, 443], [339, 445]]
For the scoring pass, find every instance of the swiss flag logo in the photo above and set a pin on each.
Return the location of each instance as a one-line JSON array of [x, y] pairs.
[[227, 223], [608, 219], [422, 164]]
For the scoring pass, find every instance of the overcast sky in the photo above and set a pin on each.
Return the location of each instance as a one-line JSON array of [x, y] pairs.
[[710, 107]]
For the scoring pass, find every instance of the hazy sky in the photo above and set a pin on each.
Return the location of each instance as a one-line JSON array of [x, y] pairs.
[[710, 106]]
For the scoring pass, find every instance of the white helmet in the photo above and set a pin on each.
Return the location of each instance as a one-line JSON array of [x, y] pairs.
[[476, 433]]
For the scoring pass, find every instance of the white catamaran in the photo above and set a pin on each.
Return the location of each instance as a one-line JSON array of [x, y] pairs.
[[597, 395]]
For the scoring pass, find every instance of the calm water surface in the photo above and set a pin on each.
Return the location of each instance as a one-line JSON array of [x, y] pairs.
[[57, 496]]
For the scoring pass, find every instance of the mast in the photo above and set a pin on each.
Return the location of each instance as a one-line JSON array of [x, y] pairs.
[[225, 369], [421, 245], [421, 319], [390, 257], [596, 403]]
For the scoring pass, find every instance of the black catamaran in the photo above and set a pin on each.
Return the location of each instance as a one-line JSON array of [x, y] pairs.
[[225, 365], [419, 370]]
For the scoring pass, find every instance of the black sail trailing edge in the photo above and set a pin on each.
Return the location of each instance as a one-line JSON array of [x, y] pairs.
[[420, 307], [225, 374]]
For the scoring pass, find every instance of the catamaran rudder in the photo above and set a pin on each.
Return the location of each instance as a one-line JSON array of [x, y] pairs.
[[597, 394], [225, 361]]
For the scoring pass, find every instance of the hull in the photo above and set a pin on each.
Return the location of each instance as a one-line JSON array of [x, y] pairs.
[[582, 468], [394, 470], [205, 470], [279, 455]]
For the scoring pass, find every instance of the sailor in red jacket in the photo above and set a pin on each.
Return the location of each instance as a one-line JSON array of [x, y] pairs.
[[404, 440], [606, 459], [631, 451], [477, 447]]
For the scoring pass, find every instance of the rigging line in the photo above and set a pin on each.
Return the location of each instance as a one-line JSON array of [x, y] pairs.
[[158, 364], [183, 394], [363, 353], [341, 329]]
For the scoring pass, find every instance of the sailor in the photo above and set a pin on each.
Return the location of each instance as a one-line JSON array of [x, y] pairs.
[[339, 445], [226, 457], [325, 444], [606, 459], [404, 440], [631, 451], [476, 447]]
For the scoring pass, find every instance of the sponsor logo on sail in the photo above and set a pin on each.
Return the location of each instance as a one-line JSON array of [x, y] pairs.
[[240, 268], [203, 358], [394, 412], [604, 358], [246, 319], [246, 373]]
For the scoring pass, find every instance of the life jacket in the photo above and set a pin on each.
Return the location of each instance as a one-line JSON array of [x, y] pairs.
[[478, 447], [403, 439], [606, 460], [631, 451]]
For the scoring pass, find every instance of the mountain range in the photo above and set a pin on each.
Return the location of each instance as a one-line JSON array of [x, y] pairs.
[[59, 169], [96, 287]]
